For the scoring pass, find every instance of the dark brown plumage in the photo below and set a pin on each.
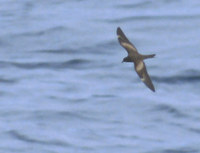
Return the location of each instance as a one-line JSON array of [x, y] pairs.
[[136, 58]]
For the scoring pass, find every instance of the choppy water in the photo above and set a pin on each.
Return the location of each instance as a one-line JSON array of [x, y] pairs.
[[63, 87]]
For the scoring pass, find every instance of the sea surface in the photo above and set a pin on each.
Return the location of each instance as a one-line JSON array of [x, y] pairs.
[[63, 88]]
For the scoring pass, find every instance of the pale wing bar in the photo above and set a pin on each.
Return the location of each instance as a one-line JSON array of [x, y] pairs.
[[144, 76], [123, 39]]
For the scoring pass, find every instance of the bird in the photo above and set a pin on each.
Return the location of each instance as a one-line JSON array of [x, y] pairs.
[[137, 58]]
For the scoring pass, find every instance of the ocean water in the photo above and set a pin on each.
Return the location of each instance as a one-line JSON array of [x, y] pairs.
[[63, 88]]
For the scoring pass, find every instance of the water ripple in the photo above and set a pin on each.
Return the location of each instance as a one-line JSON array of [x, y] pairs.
[[41, 32], [62, 115], [168, 109], [8, 81], [139, 5], [197, 131], [152, 17], [73, 63], [25, 138], [183, 150], [57, 51], [177, 79]]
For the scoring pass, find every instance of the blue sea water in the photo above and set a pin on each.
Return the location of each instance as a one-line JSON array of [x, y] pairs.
[[63, 88]]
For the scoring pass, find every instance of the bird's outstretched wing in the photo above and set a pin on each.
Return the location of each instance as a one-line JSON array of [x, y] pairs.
[[144, 76], [123, 40]]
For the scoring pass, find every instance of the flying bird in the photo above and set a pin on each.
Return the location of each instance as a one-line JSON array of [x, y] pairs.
[[136, 58]]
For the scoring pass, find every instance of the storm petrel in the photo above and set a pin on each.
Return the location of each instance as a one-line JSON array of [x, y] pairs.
[[136, 58]]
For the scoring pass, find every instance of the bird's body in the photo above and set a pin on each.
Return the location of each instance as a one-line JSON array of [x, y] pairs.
[[136, 58]]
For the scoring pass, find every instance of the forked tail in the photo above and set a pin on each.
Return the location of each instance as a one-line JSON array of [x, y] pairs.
[[148, 56]]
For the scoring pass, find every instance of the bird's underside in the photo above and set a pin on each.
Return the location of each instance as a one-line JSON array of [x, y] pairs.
[[136, 58]]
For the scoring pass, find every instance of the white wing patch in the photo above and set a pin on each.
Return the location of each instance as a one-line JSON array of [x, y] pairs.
[[140, 66], [143, 79], [126, 45]]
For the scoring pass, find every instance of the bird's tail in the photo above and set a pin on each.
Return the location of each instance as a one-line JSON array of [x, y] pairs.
[[148, 56]]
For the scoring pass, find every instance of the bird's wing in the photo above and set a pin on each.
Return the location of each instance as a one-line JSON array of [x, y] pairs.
[[123, 40], [144, 76]]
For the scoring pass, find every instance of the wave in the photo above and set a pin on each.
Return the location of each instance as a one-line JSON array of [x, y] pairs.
[[152, 17], [195, 130], [74, 63], [23, 137], [7, 81], [41, 32], [139, 5], [177, 79], [57, 51], [169, 109], [180, 150]]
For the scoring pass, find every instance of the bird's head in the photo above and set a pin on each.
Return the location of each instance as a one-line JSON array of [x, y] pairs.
[[126, 59]]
